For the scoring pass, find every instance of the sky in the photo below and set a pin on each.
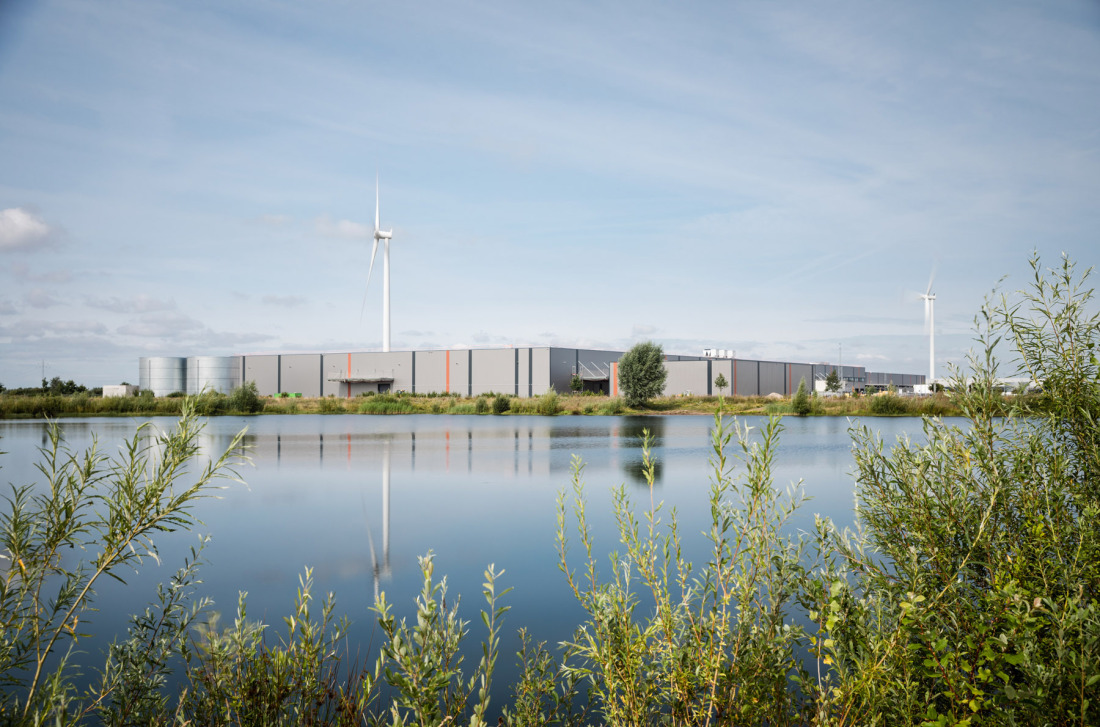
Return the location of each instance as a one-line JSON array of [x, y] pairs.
[[776, 179]]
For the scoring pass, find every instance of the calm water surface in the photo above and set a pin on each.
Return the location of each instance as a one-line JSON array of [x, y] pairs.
[[358, 498]]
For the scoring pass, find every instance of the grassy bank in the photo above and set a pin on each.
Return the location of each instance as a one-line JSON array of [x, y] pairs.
[[80, 405]]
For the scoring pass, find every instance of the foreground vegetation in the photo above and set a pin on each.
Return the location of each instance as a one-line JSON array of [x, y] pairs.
[[969, 596]]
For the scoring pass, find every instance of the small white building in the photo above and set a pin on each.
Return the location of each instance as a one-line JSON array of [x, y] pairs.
[[120, 390]]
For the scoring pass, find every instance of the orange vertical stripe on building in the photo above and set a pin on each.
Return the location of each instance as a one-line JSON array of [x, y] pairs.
[[614, 378]]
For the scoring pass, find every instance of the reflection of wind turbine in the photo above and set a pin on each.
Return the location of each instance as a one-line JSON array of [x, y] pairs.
[[386, 235], [930, 326], [383, 570]]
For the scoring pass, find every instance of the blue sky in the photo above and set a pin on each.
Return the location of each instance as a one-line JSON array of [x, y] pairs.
[[775, 178]]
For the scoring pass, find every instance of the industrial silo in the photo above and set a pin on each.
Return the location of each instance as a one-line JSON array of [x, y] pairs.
[[217, 373], [163, 375]]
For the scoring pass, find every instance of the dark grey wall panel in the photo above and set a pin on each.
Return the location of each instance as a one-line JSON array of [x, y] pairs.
[[747, 378], [562, 363], [799, 372], [773, 378]]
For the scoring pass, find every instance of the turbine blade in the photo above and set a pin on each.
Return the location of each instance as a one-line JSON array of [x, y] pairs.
[[373, 252], [931, 279]]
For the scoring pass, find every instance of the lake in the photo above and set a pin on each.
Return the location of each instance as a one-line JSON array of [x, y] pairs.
[[358, 498]]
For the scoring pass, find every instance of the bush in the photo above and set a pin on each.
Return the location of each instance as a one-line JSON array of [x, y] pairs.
[[143, 498], [888, 405], [642, 373], [800, 402], [501, 404], [549, 404], [245, 399], [613, 407], [481, 406]]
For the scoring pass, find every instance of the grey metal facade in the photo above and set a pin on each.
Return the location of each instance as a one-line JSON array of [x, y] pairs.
[[213, 373], [163, 375], [525, 372]]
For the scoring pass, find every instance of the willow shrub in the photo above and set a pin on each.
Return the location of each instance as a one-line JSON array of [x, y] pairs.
[[667, 641], [971, 595], [95, 518]]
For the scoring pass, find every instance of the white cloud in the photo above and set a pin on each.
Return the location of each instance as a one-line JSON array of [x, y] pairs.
[[7, 307], [342, 228], [21, 229]]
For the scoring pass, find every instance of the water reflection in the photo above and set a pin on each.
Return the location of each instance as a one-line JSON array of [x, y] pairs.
[[632, 433], [359, 498]]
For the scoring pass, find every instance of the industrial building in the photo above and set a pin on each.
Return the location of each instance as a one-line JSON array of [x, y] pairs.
[[524, 372]]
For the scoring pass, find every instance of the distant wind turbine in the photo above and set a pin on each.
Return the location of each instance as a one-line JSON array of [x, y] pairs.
[[386, 235], [930, 324]]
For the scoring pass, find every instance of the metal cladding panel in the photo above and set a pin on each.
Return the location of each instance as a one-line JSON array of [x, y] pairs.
[[494, 371], [300, 373], [217, 373], [685, 377], [747, 378], [431, 372], [562, 363], [724, 367], [540, 371], [163, 375], [523, 371], [773, 378], [264, 370], [597, 362], [333, 365], [460, 372], [799, 372]]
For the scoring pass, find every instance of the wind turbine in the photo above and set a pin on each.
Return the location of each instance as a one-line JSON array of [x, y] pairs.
[[930, 325], [385, 235]]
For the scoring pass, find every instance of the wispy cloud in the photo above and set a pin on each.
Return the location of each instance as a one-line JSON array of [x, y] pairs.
[[161, 326], [284, 301], [39, 298], [136, 304], [342, 228]]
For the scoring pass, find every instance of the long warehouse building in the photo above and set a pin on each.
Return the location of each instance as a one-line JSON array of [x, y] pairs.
[[524, 372]]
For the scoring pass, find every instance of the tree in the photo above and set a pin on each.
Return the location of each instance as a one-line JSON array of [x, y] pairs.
[[642, 373], [720, 382], [576, 383], [832, 381], [800, 402]]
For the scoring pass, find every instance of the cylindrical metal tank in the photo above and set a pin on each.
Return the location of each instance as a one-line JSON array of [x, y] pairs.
[[217, 373], [163, 375]]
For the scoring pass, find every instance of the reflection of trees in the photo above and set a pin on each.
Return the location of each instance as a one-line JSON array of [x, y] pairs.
[[632, 434]]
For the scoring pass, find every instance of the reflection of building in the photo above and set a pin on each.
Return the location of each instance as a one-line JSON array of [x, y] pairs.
[[524, 372]]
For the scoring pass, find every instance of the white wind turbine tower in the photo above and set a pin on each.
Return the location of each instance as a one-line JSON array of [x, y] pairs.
[[930, 325], [386, 235]]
